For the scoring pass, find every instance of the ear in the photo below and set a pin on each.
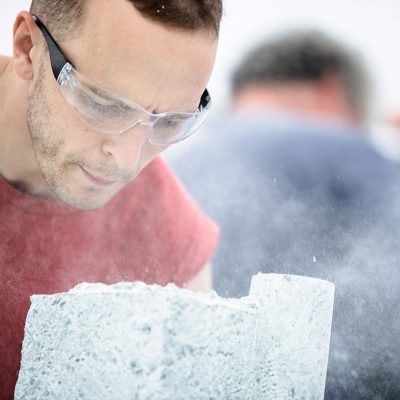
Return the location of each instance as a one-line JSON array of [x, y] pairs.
[[25, 30]]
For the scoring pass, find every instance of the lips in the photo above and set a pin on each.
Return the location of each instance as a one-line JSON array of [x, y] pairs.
[[97, 180]]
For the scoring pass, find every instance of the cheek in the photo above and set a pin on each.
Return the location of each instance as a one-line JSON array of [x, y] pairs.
[[47, 146], [64, 123], [71, 135]]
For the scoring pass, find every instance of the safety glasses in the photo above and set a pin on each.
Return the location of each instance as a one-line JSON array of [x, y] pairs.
[[109, 113]]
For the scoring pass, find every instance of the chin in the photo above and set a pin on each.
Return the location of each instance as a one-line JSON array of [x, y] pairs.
[[85, 201], [86, 205]]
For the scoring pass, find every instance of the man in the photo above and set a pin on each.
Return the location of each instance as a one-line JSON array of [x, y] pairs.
[[295, 188], [94, 91]]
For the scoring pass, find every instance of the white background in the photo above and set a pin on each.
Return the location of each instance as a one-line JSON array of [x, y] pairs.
[[371, 26]]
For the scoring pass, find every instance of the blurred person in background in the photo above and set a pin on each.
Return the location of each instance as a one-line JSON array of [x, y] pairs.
[[296, 188], [304, 74]]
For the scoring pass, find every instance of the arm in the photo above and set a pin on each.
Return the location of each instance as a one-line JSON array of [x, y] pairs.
[[202, 282]]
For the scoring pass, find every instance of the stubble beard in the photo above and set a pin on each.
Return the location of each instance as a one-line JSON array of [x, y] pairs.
[[48, 148]]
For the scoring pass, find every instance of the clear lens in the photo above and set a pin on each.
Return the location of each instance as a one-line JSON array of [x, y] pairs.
[[170, 129], [108, 113]]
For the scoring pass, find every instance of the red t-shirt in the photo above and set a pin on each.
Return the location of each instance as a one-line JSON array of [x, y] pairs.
[[150, 231]]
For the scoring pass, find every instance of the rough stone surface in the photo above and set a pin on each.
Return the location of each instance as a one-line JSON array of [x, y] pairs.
[[131, 341], [293, 336]]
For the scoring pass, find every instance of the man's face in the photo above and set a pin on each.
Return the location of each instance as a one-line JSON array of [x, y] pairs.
[[119, 50]]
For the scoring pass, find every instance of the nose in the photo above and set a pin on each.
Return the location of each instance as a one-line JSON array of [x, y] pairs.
[[126, 148]]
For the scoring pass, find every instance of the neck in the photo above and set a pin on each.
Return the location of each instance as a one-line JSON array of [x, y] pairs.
[[17, 158]]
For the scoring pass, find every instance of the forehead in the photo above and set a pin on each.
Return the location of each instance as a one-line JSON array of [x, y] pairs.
[[125, 52]]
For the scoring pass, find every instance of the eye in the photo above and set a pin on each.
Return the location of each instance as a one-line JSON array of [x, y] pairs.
[[111, 106], [96, 103], [170, 124], [102, 101], [98, 98]]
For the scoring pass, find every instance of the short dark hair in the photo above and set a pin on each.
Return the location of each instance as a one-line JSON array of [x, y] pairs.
[[305, 56], [63, 17]]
